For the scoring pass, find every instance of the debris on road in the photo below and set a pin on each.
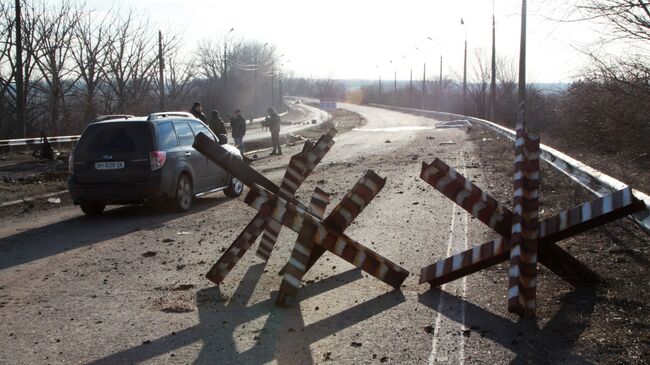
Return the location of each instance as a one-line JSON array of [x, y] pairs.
[[447, 143]]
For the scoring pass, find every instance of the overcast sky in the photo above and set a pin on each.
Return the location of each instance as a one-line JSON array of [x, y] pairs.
[[358, 38]]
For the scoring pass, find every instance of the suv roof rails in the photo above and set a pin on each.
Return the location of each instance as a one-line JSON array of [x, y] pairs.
[[160, 115], [102, 118]]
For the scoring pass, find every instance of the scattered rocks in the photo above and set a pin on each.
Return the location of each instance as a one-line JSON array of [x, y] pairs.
[[183, 287], [149, 254], [356, 344], [388, 141], [428, 329]]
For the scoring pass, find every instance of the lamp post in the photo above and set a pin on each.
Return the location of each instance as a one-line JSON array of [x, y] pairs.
[[225, 65], [257, 67], [410, 81], [493, 84], [424, 78], [394, 83], [440, 75], [521, 112], [379, 83], [462, 22]]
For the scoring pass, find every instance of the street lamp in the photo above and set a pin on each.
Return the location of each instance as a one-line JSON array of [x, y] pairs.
[[395, 80], [440, 50], [379, 83], [462, 22], [410, 81], [225, 65], [257, 67], [424, 77]]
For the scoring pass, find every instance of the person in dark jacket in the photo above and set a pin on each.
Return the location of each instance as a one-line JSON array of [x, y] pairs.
[[273, 121], [238, 124], [216, 123], [197, 111], [218, 127]]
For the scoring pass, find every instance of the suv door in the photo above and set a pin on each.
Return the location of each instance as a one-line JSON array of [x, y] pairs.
[[198, 162], [217, 177]]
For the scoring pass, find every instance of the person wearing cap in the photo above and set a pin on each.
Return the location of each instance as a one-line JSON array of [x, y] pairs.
[[273, 121], [197, 112], [238, 124]]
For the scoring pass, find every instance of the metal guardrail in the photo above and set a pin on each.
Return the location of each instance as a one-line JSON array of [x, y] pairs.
[[34, 141], [62, 139], [595, 181]]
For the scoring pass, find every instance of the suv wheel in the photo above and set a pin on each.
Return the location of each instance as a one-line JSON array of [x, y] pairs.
[[235, 188], [92, 208], [184, 193]]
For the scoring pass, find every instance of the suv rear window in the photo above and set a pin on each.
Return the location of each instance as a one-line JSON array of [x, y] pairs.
[[166, 136], [116, 137]]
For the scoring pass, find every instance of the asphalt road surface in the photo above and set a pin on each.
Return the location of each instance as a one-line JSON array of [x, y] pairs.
[[129, 286]]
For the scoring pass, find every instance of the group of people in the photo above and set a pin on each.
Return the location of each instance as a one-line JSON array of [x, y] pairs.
[[238, 126]]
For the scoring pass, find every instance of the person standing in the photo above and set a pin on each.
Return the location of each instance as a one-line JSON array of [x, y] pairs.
[[218, 127], [238, 124], [273, 121], [197, 112]]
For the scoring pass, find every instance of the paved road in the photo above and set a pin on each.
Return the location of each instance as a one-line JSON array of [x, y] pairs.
[[128, 286], [300, 116]]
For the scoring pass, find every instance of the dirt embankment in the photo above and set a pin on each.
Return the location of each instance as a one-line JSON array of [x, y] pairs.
[[613, 315]]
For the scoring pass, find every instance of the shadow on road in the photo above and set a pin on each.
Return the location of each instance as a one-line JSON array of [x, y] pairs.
[[552, 344], [83, 230], [284, 336]]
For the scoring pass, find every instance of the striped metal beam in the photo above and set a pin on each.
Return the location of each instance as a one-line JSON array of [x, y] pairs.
[[522, 292], [350, 207], [302, 250], [496, 216], [337, 243], [568, 223], [300, 166], [470, 197], [237, 249]]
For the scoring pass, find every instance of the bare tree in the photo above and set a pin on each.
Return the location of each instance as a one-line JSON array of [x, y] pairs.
[[478, 86], [131, 63], [55, 31], [89, 51]]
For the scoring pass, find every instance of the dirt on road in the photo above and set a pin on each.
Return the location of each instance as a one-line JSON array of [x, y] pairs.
[[129, 286]]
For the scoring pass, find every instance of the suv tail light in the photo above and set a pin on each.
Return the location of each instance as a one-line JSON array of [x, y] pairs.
[[157, 159], [71, 164]]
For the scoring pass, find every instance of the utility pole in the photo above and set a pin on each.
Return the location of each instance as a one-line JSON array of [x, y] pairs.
[[280, 80], [424, 86], [20, 85], [161, 67], [464, 71], [521, 112], [493, 85], [411, 89], [272, 95], [225, 67]]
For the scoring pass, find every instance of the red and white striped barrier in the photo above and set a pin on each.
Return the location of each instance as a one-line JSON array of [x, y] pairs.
[[318, 233], [523, 240], [299, 168], [302, 251]]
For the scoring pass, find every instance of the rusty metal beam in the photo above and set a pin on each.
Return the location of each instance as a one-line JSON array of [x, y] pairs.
[[573, 221], [302, 250], [522, 290], [300, 166], [337, 243]]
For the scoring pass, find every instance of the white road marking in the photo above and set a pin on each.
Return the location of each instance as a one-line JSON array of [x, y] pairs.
[[436, 330]]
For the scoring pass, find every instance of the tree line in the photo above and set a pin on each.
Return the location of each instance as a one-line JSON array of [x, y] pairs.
[[77, 64]]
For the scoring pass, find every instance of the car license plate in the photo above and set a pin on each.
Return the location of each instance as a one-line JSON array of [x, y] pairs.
[[109, 165]]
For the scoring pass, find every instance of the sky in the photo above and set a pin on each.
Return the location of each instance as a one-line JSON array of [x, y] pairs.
[[359, 39]]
